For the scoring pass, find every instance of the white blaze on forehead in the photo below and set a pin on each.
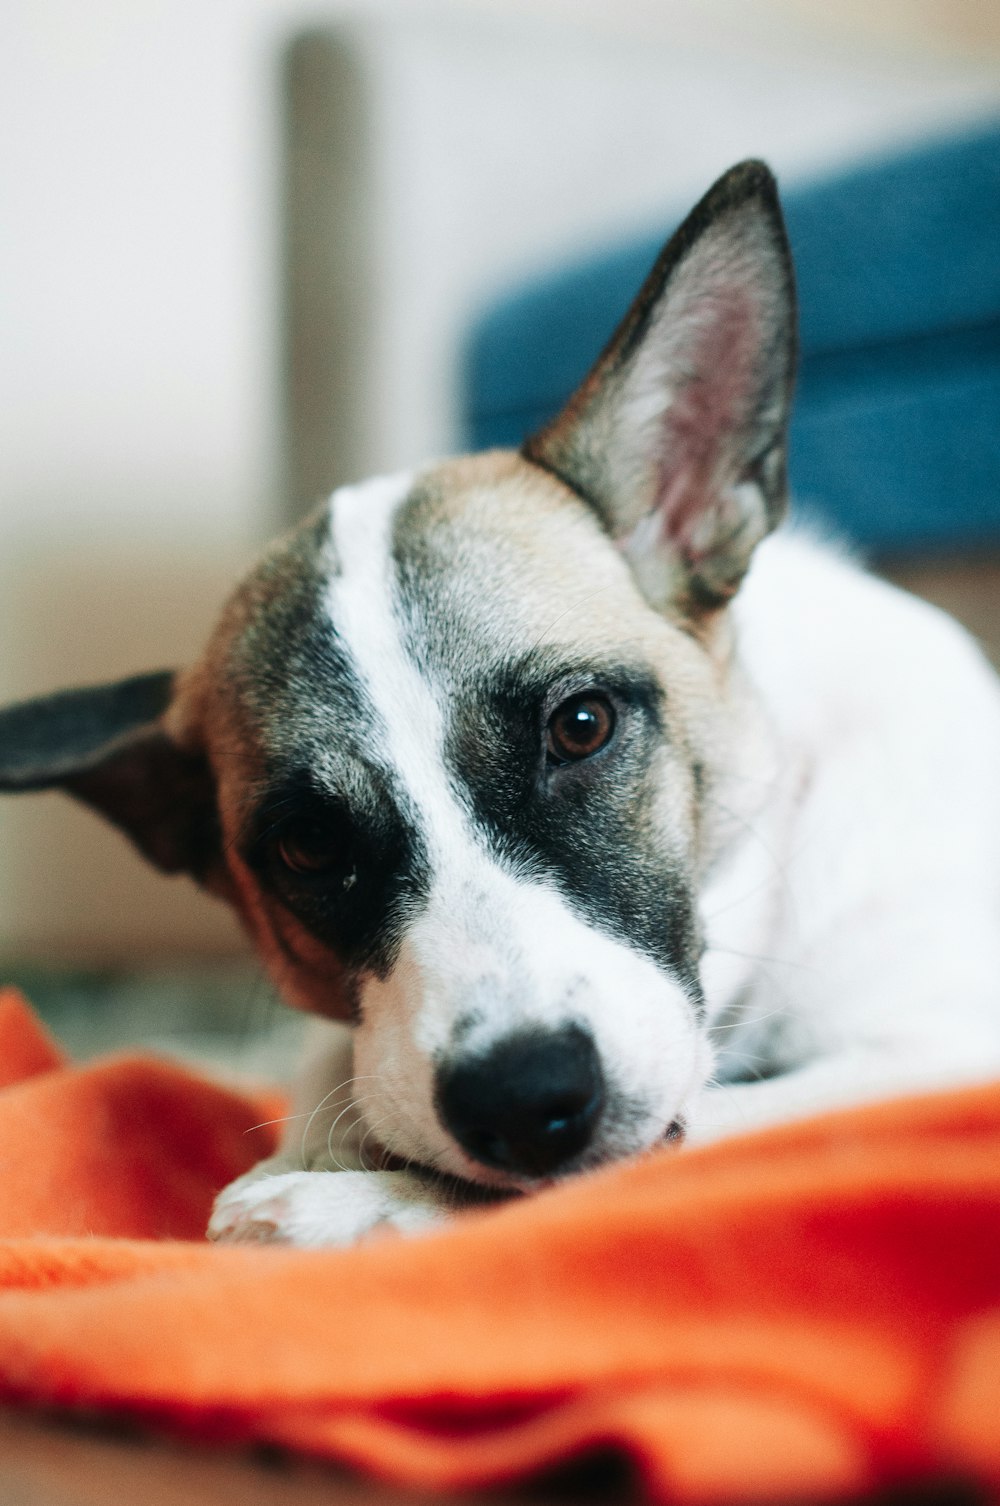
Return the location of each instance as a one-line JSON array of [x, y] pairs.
[[470, 891], [360, 603], [508, 947]]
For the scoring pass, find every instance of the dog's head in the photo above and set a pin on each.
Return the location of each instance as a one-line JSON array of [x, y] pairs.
[[455, 748]]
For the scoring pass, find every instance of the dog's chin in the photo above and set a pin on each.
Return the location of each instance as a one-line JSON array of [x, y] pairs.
[[474, 1181], [466, 1186]]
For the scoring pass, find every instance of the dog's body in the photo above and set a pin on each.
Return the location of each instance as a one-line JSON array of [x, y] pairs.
[[587, 858]]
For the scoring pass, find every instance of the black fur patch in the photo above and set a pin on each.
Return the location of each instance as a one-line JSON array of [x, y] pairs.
[[376, 878], [105, 745], [322, 747], [46, 741], [587, 826]]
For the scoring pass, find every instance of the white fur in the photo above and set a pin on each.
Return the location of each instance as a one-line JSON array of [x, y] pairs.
[[859, 921]]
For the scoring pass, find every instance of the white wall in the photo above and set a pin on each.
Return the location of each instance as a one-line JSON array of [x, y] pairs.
[[139, 268]]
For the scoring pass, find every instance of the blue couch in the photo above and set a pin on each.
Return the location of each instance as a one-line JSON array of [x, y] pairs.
[[896, 435]]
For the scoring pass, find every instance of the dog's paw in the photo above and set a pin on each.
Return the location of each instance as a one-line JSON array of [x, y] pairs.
[[322, 1207]]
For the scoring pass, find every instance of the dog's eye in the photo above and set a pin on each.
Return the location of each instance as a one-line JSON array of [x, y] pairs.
[[307, 846], [579, 728]]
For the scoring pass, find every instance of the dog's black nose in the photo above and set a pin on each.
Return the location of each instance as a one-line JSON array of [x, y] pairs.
[[528, 1105]]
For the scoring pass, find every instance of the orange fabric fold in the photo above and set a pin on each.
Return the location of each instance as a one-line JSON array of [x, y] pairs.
[[811, 1311], [25, 1045]]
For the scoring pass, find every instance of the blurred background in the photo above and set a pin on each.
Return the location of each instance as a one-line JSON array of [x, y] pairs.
[[253, 249]]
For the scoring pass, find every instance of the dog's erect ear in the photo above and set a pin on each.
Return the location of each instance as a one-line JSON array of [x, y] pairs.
[[107, 746], [677, 436]]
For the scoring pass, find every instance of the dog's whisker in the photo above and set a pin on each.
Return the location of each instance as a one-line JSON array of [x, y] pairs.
[[370, 1132], [334, 1156], [266, 1123], [306, 1113], [762, 957], [356, 1101], [348, 1081], [423, 1159], [747, 1021]]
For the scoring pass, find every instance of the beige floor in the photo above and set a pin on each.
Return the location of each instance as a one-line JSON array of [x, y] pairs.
[[45, 1463]]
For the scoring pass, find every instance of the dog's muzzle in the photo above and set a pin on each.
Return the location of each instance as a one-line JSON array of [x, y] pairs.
[[530, 1105]]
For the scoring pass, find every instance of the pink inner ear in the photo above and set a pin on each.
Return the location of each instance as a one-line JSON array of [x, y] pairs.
[[707, 413]]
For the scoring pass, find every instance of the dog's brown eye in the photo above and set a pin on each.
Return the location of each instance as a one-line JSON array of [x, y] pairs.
[[580, 728], [307, 847]]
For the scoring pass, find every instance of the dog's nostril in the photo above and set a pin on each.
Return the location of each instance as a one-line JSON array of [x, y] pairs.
[[529, 1105]]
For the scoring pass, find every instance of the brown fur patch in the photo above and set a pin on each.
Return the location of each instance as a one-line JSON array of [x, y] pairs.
[[527, 561]]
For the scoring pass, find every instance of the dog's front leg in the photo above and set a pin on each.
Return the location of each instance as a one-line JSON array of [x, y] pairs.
[[272, 1205], [316, 1190]]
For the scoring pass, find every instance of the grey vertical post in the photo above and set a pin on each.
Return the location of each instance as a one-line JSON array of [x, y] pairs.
[[327, 265]]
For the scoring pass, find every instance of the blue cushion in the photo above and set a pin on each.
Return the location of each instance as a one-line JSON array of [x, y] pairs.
[[896, 434]]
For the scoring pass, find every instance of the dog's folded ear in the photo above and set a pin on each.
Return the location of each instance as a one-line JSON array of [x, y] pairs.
[[106, 745], [677, 437]]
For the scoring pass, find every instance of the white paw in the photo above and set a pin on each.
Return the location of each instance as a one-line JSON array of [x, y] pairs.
[[322, 1207]]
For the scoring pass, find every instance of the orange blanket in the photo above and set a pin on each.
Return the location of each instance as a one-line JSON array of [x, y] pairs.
[[805, 1312]]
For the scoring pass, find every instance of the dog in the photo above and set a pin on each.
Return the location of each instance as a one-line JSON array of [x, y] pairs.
[[586, 811]]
